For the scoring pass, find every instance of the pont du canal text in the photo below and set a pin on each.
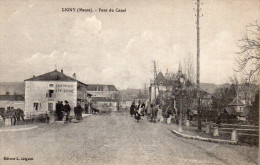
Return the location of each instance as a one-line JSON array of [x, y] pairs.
[[90, 10]]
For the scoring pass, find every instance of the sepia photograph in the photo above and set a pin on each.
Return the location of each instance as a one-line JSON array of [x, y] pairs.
[[129, 82]]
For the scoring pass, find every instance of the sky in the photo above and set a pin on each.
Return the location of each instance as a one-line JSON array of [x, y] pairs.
[[118, 47]]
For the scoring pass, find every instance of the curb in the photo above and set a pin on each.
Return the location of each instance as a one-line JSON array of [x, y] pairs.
[[86, 115], [19, 129], [204, 139]]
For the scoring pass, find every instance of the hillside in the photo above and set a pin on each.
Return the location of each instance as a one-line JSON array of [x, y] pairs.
[[12, 88]]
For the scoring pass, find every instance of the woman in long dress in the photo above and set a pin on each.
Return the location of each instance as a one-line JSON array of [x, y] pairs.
[[137, 114], [132, 109]]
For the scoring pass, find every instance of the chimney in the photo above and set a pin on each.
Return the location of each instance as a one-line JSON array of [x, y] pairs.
[[74, 75], [33, 76], [61, 71]]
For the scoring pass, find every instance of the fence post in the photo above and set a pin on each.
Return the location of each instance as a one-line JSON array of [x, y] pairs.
[[234, 135], [216, 133], [208, 128]]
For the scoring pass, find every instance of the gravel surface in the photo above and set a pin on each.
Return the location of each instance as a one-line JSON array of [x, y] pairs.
[[115, 139]]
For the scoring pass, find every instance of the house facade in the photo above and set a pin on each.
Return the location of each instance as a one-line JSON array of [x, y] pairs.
[[104, 96], [44, 91], [161, 85], [98, 90]]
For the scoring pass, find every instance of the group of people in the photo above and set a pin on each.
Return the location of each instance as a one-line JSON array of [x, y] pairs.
[[64, 111], [151, 111], [137, 111]]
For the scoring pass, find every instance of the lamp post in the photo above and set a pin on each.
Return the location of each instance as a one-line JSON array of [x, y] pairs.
[[181, 88]]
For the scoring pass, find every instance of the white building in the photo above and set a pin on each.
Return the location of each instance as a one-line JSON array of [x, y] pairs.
[[44, 91], [161, 85], [98, 90]]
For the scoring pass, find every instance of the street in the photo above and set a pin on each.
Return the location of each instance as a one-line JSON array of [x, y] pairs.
[[116, 139]]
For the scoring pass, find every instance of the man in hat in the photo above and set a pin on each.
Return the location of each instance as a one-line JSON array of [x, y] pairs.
[[58, 110], [78, 112], [67, 109]]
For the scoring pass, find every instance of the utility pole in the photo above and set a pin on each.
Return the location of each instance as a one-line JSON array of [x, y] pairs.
[[198, 63], [145, 89]]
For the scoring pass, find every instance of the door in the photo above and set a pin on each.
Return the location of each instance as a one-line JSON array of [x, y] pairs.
[[50, 106]]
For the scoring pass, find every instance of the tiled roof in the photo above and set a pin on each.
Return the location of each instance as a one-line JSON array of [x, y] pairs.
[[112, 88], [53, 76], [231, 110], [236, 102], [11, 98], [160, 79]]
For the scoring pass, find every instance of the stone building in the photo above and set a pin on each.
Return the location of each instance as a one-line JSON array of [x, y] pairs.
[[44, 91]]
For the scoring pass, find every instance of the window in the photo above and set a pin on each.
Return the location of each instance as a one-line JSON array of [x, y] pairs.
[[50, 106], [100, 88], [51, 85], [50, 93], [36, 106]]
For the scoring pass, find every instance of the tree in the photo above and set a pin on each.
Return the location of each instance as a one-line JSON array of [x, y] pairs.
[[248, 58], [223, 96], [254, 110], [189, 68]]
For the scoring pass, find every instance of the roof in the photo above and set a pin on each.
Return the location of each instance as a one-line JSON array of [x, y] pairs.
[[204, 95], [103, 99], [231, 110], [236, 102], [93, 87], [246, 112], [161, 80], [11, 97], [53, 76]]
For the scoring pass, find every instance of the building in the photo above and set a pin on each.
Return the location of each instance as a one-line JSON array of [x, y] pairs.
[[105, 97], [104, 103], [237, 105], [98, 90], [237, 109], [161, 85], [16, 101], [44, 91]]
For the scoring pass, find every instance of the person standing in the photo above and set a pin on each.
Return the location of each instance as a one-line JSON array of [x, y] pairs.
[[67, 110], [137, 114], [78, 112], [143, 109], [62, 110], [59, 111], [132, 109]]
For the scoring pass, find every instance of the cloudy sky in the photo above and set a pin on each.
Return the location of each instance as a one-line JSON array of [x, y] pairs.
[[118, 48]]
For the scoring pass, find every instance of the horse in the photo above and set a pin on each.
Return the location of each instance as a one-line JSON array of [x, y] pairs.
[[13, 114], [2, 113]]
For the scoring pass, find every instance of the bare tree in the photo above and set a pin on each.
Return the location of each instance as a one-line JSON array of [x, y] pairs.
[[248, 58], [189, 67]]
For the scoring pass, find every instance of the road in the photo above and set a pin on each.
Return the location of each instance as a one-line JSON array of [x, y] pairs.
[[116, 139]]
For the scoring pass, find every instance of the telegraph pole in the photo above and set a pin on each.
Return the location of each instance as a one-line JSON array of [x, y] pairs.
[[145, 89], [198, 63]]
